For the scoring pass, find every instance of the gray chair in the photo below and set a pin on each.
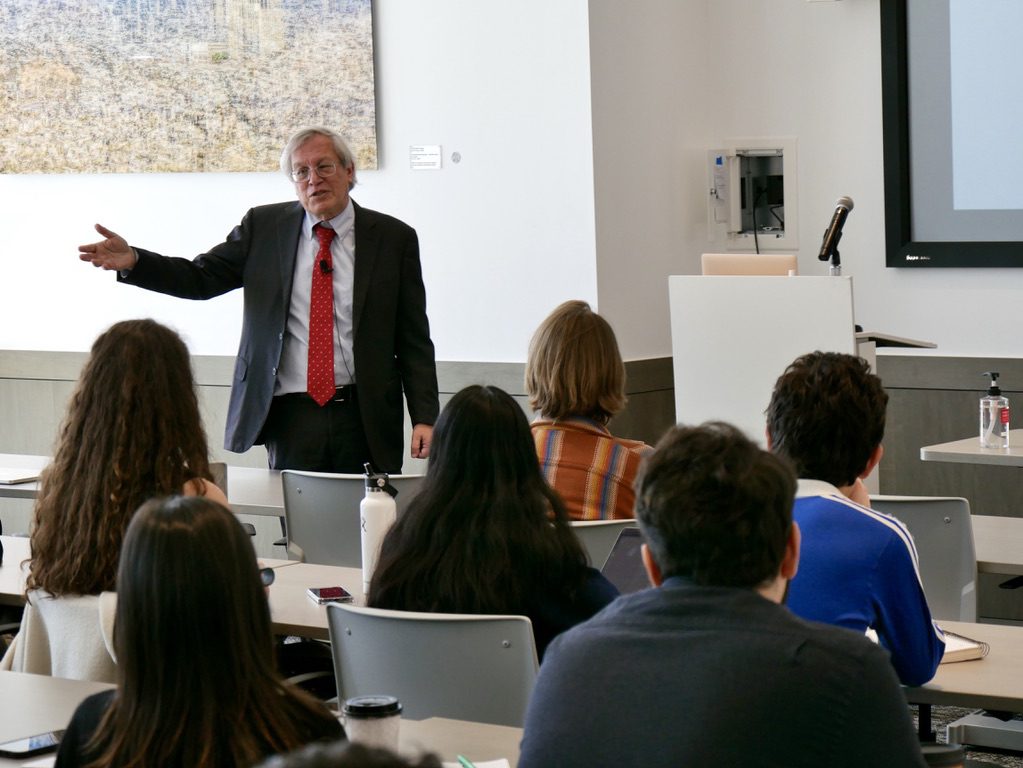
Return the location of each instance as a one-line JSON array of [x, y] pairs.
[[599, 536], [322, 513], [465, 667], [943, 533]]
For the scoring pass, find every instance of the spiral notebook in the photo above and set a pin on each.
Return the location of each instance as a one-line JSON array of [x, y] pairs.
[[961, 648], [957, 647]]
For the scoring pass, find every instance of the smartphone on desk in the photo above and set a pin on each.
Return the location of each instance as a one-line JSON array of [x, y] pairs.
[[323, 595], [32, 745]]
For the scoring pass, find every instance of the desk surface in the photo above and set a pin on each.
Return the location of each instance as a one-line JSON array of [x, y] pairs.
[[994, 682], [968, 451], [998, 540], [250, 490], [18, 549], [293, 612], [31, 704]]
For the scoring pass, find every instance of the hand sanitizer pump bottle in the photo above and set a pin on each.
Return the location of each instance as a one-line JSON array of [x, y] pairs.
[[994, 416], [377, 513]]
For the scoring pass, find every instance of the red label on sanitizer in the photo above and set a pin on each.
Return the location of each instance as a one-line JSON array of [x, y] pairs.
[[1005, 416]]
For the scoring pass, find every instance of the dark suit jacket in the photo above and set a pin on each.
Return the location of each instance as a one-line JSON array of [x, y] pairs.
[[391, 333]]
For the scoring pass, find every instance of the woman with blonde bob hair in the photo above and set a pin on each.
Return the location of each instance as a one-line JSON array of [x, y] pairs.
[[196, 682], [575, 379]]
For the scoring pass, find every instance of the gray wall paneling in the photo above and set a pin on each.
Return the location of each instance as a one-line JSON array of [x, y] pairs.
[[935, 400], [35, 388]]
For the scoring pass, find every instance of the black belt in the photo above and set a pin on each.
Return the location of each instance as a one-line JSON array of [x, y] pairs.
[[341, 394]]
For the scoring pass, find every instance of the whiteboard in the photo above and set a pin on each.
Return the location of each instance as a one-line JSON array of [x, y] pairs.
[[733, 336]]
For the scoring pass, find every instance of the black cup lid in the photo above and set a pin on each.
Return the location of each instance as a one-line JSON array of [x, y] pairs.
[[372, 706]]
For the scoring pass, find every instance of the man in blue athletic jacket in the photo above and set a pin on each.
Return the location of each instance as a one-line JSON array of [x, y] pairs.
[[859, 567]]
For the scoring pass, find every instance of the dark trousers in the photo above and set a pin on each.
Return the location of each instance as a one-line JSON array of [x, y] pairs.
[[300, 434]]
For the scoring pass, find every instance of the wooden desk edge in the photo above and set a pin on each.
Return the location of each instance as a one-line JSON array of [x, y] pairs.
[[939, 696]]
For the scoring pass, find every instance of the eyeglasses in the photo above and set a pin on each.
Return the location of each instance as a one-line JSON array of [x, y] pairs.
[[267, 576], [323, 170]]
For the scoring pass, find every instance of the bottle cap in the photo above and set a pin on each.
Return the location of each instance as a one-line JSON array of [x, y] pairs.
[[378, 481], [993, 389]]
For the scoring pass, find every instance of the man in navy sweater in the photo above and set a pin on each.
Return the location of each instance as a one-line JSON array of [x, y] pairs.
[[859, 567], [708, 668]]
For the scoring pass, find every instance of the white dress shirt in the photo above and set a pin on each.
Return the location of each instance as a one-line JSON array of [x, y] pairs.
[[291, 374]]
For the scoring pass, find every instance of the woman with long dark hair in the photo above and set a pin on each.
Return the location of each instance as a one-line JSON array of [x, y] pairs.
[[196, 683], [486, 534]]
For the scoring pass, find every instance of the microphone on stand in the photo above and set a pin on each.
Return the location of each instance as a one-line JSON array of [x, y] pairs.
[[829, 247]]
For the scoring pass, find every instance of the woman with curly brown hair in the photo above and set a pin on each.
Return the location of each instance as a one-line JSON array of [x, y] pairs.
[[132, 431]]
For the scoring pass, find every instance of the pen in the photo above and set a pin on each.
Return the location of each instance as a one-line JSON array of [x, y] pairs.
[[465, 762]]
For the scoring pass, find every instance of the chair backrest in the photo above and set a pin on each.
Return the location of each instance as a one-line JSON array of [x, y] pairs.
[[943, 533], [465, 667], [599, 536], [322, 514]]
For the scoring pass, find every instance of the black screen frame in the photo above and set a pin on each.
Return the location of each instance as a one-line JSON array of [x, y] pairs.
[[901, 251]]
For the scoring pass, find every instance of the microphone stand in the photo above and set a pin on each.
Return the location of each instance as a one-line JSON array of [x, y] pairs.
[[835, 270], [835, 261]]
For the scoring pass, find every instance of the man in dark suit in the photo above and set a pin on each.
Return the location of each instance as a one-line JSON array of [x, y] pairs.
[[375, 335]]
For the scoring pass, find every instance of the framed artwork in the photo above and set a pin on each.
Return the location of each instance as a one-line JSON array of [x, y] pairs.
[[157, 86]]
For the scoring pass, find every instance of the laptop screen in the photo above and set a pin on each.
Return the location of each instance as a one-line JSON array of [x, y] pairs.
[[624, 566]]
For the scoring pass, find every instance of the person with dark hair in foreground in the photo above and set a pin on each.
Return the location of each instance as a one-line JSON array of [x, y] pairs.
[[709, 669], [196, 683], [347, 755], [859, 568], [486, 534], [575, 378]]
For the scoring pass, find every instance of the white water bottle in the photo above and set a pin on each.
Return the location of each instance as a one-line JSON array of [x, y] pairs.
[[377, 513]]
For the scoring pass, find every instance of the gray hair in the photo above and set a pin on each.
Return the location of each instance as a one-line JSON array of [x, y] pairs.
[[304, 134]]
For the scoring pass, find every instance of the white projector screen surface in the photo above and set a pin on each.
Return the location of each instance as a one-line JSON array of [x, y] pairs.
[[952, 117]]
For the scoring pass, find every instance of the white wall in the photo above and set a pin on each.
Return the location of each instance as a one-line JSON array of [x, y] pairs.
[[553, 199], [650, 140], [812, 70], [505, 235]]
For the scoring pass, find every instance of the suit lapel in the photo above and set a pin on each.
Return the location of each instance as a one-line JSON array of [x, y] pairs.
[[367, 245], [289, 228]]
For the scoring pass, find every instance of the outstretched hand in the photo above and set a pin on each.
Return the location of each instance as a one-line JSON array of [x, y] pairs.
[[111, 253]]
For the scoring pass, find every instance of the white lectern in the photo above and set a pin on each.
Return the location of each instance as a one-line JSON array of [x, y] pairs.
[[733, 336]]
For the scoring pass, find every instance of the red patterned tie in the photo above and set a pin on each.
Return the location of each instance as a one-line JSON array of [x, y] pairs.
[[320, 371]]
